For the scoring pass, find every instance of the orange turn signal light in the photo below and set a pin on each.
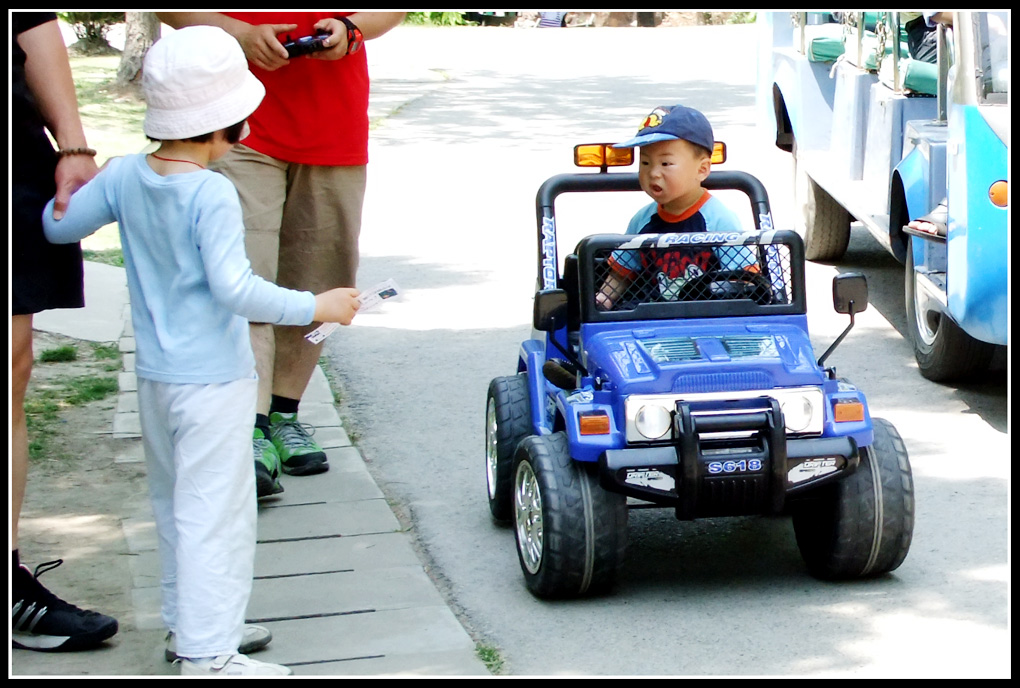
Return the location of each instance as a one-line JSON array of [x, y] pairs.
[[998, 193], [602, 155], [718, 153], [605, 155], [594, 423], [848, 411]]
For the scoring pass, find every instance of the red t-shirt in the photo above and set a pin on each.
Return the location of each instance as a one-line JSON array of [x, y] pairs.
[[315, 111]]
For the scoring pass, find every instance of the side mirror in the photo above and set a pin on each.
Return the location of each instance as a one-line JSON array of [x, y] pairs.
[[850, 296], [850, 293], [550, 310]]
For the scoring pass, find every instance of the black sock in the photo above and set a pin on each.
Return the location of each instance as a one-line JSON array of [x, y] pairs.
[[15, 561], [283, 405], [262, 423]]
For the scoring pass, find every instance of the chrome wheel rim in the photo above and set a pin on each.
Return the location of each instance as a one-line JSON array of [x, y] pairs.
[[528, 515], [927, 317], [490, 448]]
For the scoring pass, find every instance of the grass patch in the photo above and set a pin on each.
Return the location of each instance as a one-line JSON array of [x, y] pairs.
[[491, 657], [84, 390], [107, 256], [44, 405], [59, 354], [106, 351], [70, 374]]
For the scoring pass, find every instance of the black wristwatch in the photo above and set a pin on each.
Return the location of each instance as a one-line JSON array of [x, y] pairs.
[[355, 39]]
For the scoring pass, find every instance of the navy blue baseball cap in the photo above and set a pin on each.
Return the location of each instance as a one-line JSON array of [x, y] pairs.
[[671, 122]]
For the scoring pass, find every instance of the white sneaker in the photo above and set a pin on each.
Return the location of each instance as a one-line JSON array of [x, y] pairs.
[[254, 639], [231, 665]]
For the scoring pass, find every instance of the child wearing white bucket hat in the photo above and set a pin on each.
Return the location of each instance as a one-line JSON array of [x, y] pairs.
[[192, 294]]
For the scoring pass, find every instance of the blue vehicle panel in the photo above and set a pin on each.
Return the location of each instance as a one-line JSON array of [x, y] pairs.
[[916, 152], [977, 230]]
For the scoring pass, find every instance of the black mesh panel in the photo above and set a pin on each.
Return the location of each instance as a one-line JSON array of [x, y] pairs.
[[625, 278]]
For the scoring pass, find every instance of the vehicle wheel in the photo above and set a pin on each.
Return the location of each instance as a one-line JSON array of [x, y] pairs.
[[571, 534], [507, 422], [861, 526], [944, 352], [822, 223]]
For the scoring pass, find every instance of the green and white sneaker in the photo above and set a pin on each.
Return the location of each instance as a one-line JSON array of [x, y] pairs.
[[267, 466], [299, 453]]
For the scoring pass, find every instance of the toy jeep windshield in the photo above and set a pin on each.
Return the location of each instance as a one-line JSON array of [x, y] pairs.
[[702, 395]]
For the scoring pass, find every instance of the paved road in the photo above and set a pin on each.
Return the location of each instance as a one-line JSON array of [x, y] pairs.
[[450, 216]]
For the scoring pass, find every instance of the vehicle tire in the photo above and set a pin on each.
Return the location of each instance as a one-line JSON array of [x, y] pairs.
[[861, 526], [507, 422], [571, 534], [944, 352], [822, 223]]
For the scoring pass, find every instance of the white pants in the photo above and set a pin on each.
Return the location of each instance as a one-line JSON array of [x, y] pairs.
[[198, 451]]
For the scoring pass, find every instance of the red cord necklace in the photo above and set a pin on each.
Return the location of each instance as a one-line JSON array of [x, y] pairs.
[[160, 157]]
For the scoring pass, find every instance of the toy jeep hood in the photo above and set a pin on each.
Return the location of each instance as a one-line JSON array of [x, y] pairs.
[[708, 356]]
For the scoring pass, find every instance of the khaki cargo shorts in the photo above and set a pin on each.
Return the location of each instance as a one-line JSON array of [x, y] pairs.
[[302, 222]]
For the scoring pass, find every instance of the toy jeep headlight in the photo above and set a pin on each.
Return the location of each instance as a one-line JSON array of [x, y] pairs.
[[653, 421], [650, 416], [798, 412]]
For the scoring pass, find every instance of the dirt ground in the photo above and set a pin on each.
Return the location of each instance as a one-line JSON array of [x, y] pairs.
[[77, 494]]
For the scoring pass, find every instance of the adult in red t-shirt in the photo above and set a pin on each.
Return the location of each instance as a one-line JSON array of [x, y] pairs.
[[300, 175]]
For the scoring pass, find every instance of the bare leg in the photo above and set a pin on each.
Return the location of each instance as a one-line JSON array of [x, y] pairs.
[[21, 372], [263, 345], [296, 359]]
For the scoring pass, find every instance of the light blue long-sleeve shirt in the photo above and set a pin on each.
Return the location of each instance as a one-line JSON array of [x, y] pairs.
[[191, 285]]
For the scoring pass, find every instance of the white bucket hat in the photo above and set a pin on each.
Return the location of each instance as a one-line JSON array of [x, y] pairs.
[[196, 81]]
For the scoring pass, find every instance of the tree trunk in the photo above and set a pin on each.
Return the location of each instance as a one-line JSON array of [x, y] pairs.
[[141, 30], [620, 19], [647, 19]]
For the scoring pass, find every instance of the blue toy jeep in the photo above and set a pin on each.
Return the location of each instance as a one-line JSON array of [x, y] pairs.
[[705, 398]]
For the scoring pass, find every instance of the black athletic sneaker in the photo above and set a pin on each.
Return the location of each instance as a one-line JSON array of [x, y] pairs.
[[42, 621]]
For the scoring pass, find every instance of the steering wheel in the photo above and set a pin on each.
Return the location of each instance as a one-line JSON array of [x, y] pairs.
[[725, 285]]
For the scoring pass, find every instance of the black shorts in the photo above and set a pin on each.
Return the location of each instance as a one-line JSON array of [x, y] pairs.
[[43, 275]]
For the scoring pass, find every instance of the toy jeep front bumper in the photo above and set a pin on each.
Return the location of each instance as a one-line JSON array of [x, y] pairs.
[[727, 465]]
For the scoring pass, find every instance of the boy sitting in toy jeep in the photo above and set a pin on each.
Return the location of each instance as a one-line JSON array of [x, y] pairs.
[[675, 158]]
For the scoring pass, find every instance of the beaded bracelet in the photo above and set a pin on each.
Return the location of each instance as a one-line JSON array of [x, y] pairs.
[[64, 152]]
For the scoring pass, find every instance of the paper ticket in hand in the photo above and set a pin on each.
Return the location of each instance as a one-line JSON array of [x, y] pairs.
[[369, 299], [372, 298], [321, 332]]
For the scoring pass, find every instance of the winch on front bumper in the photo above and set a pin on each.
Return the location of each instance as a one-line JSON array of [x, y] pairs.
[[730, 462]]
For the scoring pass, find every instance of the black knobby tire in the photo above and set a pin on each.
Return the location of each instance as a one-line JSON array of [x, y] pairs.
[[861, 526], [571, 534], [822, 223], [507, 422], [944, 352]]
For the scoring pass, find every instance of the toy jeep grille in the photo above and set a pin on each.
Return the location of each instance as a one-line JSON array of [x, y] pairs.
[[749, 346], [697, 274], [673, 350]]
